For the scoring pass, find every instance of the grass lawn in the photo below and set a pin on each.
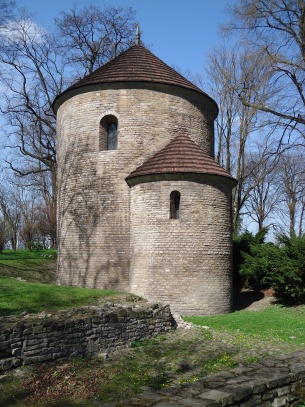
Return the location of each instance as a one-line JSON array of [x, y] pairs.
[[17, 296], [38, 267], [176, 357], [23, 254], [179, 356], [277, 322], [35, 267]]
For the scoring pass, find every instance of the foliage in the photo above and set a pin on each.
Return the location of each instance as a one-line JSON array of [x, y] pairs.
[[280, 266], [258, 262], [245, 246], [287, 276]]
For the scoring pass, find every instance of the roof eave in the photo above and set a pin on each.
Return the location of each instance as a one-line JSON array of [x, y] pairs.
[[201, 178], [156, 86]]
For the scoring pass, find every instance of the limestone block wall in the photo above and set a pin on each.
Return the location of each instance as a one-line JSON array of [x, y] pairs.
[[272, 382], [185, 261], [93, 198], [79, 332]]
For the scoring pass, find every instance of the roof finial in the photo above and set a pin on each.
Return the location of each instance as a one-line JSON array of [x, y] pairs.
[[138, 35]]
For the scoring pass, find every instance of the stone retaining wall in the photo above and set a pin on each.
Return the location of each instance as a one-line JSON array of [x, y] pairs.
[[273, 382], [85, 331]]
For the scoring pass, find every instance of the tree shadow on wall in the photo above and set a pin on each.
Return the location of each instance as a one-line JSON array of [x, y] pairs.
[[78, 213], [83, 205], [242, 300]]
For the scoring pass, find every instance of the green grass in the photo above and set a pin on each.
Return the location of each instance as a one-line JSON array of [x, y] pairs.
[[276, 322], [35, 267], [175, 358], [24, 254], [17, 296], [178, 357], [156, 363]]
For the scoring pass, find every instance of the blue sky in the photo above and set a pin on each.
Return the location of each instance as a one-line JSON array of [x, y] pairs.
[[180, 32]]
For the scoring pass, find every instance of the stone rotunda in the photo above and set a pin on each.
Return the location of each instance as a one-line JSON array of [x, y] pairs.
[[142, 204]]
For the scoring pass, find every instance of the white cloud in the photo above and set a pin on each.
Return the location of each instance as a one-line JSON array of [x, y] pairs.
[[20, 31]]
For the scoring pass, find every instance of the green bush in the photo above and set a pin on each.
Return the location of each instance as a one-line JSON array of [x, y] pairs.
[[287, 276], [250, 260], [241, 244], [280, 266]]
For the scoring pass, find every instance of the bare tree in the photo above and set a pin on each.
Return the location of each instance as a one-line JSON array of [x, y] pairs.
[[6, 10], [32, 76], [222, 72], [263, 180], [92, 36], [35, 68], [3, 234], [11, 216], [292, 183], [231, 71], [277, 29], [34, 228]]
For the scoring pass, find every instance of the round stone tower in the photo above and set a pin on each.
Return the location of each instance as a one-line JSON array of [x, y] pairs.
[[142, 205]]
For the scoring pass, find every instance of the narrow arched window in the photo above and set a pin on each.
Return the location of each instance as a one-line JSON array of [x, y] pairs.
[[174, 205], [108, 137], [112, 136]]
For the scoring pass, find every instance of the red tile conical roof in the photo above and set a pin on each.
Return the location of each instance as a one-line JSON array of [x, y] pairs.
[[181, 155], [137, 64]]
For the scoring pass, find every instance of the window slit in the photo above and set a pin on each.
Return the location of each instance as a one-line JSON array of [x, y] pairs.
[[174, 205]]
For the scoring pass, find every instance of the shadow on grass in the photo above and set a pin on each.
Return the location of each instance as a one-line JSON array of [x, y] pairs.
[[13, 398], [18, 398], [288, 302], [244, 299]]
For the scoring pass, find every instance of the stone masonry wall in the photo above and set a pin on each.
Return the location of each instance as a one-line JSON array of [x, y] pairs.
[[85, 331], [93, 197], [272, 382], [185, 261]]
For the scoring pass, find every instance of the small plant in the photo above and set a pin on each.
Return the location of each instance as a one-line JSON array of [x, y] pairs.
[[136, 344], [159, 378], [300, 392], [207, 334], [161, 338], [224, 361], [251, 359]]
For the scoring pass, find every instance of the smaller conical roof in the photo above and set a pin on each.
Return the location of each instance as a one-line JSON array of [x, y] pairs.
[[181, 155]]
